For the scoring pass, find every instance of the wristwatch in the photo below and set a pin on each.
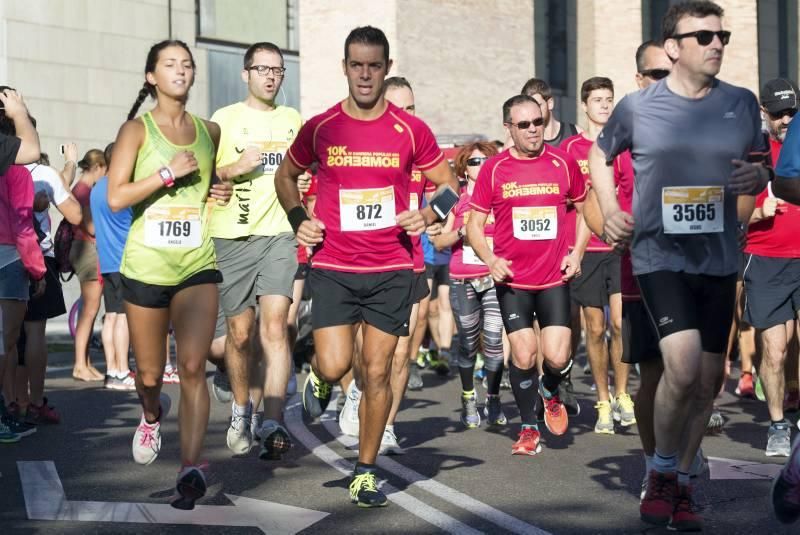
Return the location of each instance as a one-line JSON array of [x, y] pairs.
[[167, 177]]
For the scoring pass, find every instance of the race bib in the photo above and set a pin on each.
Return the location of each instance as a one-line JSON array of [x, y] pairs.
[[471, 259], [366, 209], [272, 153], [535, 222], [692, 210], [413, 202], [172, 227]]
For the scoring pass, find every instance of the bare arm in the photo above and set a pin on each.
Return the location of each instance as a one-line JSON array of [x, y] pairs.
[[618, 225], [448, 237], [29, 149], [309, 231], [70, 164], [498, 267], [71, 210]]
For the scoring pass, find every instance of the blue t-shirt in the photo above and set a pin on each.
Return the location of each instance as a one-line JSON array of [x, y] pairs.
[[789, 161], [432, 256], [110, 228]]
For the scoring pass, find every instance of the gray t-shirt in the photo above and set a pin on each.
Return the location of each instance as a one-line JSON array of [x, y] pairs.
[[685, 219]]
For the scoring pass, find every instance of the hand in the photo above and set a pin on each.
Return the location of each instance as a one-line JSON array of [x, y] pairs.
[[747, 178], [183, 163], [304, 183], [70, 152], [411, 221], [434, 230], [618, 227], [500, 270], [311, 232], [772, 206], [221, 191], [41, 201], [38, 288], [570, 267], [14, 105], [249, 160]]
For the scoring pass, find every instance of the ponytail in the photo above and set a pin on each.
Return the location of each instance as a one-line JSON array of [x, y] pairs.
[[144, 92]]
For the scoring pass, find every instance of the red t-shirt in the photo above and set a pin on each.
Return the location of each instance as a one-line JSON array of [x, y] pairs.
[[623, 171], [416, 190], [529, 202], [775, 237], [464, 263], [363, 183], [302, 252]]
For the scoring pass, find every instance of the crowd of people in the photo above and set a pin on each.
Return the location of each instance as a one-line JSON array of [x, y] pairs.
[[661, 237]]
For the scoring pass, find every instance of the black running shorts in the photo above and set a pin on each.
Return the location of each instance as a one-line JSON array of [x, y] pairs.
[[157, 296], [772, 290], [551, 307], [421, 290], [600, 278], [639, 336]]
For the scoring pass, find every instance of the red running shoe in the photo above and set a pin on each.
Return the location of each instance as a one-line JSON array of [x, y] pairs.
[[745, 387], [528, 442], [684, 514], [657, 505], [44, 414], [555, 414]]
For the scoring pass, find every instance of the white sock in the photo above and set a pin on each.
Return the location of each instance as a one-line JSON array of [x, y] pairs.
[[390, 428], [112, 373], [240, 410]]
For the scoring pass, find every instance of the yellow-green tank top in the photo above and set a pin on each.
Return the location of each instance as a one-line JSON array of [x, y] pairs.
[[169, 240]]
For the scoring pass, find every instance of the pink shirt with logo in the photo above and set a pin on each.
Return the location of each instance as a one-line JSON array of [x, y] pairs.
[[464, 263]]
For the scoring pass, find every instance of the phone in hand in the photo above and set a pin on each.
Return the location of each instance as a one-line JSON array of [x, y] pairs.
[[443, 201], [61, 149]]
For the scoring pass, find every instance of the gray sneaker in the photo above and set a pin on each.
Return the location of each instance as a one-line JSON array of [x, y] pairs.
[[221, 387], [779, 439], [414, 377], [469, 412], [389, 445]]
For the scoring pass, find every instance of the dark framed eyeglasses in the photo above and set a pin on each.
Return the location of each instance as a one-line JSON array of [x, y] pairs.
[[704, 37], [474, 162], [524, 125], [790, 113], [264, 70], [655, 74]]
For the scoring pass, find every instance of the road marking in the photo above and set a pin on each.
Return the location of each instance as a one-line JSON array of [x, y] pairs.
[[294, 421], [442, 491], [45, 500], [721, 468]]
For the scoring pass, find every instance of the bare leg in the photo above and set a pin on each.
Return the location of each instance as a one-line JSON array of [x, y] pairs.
[[644, 407], [148, 327], [122, 343], [238, 354], [107, 334], [278, 357], [773, 356], [91, 292], [36, 359], [621, 369], [13, 317], [401, 362], [597, 349]]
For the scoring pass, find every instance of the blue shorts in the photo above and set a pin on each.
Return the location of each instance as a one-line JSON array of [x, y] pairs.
[[14, 282]]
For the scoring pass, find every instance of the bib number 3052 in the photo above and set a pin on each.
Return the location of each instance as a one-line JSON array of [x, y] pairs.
[[692, 210], [366, 209], [535, 222], [172, 226]]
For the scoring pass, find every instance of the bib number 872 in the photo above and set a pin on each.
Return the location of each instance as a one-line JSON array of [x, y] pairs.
[[694, 212], [534, 225], [176, 229], [368, 211]]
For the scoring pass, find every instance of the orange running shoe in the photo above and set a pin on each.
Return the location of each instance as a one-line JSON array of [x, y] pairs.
[[555, 414], [528, 442]]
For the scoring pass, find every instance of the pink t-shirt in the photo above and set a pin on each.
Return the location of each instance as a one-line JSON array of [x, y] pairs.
[[417, 189], [623, 172], [529, 200], [464, 263], [363, 183]]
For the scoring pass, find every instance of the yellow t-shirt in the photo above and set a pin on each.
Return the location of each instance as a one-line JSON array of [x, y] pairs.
[[254, 209]]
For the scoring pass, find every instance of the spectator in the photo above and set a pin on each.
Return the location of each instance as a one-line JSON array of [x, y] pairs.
[[22, 146]]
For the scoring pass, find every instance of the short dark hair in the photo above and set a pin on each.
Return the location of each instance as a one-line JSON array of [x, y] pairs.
[[396, 82], [689, 8], [594, 83], [641, 51], [516, 100], [255, 47], [537, 85], [367, 35]]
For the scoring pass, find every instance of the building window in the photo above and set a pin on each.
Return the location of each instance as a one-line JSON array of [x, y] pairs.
[[777, 40], [653, 12], [555, 29]]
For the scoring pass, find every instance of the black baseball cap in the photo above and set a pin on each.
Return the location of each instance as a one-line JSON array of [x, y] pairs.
[[779, 94]]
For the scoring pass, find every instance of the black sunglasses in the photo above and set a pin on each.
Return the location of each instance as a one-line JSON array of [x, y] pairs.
[[524, 125], [655, 74], [704, 37], [474, 162], [791, 112]]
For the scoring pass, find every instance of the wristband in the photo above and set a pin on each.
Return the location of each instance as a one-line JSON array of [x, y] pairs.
[[296, 217], [167, 176]]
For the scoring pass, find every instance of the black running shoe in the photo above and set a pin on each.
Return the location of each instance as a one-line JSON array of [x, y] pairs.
[[275, 441], [316, 395], [364, 489], [567, 394], [191, 487]]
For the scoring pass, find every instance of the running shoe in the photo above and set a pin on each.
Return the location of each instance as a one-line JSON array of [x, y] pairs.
[[555, 415], [364, 489], [112, 382], [479, 374], [255, 425], [786, 489], [779, 439], [657, 505], [744, 388], [715, 422], [493, 411], [316, 395], [389, 445], [643, 491], [239, 437], [567, 394], [684, 513], [760, 396], [505, 382], [147, 438], [168, 377], [42, 414], [7, 436], [439, 362], [528, 442], [479, 362], [18, 427], [291, 386], [469, 411], [791, 402], [275, 441], [191, 486], [699, 465], [221, 387], [622, 407], [605, 421], [348, 417], [414, 377], [422, 358]]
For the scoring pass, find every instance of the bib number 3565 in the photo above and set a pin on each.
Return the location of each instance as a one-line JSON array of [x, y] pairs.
[[692, 210]]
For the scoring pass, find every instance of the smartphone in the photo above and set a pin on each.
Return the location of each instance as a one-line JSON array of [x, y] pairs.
[[61, 149], [443, 201]]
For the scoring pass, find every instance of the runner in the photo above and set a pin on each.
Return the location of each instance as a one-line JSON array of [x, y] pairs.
[[555, 131], [256, 251], [527, 188], [474, 297], [598, 286], [163, 167], [684, 232], [362, 267], [23, 146]]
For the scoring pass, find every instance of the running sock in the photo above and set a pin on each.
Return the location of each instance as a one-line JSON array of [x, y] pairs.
[[493, 379], [648, 463], [113, 373], [240, 410], [665, 463], [390, 427], [522, 385], [535, 427], [467, 377], [778, 422], [466, 394], [157, 420], [683, 478], [550, 380], [122, 375]]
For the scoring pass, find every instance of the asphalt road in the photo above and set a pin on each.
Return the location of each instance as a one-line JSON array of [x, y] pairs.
[[451, 479]]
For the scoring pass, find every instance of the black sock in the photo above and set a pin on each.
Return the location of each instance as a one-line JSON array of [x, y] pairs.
[[364, 467], [467, 378], [522, 384], [493, 379], [550, 380]]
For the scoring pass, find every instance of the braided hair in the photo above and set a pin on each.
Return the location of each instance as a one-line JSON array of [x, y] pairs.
[[148, 89]]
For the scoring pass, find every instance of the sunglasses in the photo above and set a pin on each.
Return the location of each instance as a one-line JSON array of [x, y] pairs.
[[704, 37], [474, 162], [655, 74], [524, 125], [790, 113]]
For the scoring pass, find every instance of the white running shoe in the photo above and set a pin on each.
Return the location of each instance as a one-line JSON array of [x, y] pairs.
[[239, 435], [147, 438], [348, 418], [389, 445]]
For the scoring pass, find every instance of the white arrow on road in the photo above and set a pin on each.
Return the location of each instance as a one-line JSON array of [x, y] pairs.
[[721, 468], [45, 500]]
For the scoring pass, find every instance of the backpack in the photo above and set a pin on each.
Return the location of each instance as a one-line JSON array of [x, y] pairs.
[[62, 241]]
